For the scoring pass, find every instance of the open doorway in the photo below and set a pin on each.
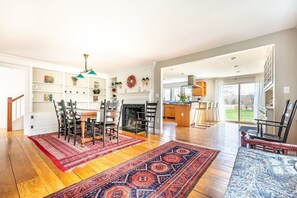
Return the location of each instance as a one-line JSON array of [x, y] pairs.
[[12, 84], [244, 70]]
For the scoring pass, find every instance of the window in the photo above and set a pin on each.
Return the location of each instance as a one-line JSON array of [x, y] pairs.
[[188, 92], [175, 92], [166, 94]]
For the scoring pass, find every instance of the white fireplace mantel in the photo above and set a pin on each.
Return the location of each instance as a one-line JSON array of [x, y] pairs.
[[136, 97]]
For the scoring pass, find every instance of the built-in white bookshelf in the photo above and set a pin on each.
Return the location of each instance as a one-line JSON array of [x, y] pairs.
[[48, 85]]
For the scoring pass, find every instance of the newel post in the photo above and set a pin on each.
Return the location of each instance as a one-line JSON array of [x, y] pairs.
[[9, 114]]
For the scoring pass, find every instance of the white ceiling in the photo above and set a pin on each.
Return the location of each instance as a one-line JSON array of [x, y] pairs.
[[121, 35], [241, 63]]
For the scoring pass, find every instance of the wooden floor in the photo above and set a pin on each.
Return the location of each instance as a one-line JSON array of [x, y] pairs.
[[27, 172]]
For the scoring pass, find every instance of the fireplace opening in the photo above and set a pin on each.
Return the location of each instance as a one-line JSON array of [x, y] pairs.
[[129, 116]]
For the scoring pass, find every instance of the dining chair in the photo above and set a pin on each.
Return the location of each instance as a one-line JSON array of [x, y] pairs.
[[283, 125], [108, 125], [73, 123], [147, 119], [61, 118], [74, 105]]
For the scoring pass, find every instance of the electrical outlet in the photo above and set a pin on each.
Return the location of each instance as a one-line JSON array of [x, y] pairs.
[[287, 89]]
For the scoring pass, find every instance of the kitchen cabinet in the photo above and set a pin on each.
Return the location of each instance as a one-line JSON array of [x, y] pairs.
[[169, 111], [201, 90], [182, 115]]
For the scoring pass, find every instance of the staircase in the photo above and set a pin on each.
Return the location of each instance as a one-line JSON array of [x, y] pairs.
[[15, 113]]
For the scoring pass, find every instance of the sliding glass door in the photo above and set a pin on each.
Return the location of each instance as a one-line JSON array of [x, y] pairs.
[[239, 102]]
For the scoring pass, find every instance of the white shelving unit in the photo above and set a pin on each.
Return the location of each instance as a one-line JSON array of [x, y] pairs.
[[63, 87], [45, 92]]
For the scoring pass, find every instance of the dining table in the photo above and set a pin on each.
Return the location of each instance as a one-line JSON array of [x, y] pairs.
[[86, 114]]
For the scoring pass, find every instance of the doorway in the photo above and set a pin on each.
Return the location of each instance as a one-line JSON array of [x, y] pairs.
[[239, 102], [12, 85]]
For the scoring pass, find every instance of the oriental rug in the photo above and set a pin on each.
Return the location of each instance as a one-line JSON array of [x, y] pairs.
[[67, 156], [170, 170]]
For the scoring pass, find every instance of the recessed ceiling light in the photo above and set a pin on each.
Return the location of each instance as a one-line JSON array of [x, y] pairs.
[[233, 58], [182, 73], [237, 71], [236, 66], [171, 69]]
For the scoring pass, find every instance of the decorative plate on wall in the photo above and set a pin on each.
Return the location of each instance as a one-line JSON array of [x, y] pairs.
[[131, 81]]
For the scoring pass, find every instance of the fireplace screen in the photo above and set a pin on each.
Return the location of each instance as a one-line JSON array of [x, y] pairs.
[[130, 116]]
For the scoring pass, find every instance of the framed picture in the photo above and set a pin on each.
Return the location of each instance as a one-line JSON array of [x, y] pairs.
[[48, 79]]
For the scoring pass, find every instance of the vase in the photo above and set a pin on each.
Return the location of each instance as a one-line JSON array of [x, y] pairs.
[[183, 100], [96, 91]]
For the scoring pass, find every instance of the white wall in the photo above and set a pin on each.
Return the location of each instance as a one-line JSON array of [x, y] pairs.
[[140, 93], [12, 84]]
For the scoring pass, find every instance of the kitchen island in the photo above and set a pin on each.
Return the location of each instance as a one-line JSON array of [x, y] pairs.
[[183, 113]]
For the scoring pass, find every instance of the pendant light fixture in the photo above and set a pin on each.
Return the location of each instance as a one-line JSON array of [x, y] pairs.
[[86, 71]]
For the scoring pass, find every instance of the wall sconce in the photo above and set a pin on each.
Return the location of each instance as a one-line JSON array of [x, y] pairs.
[[145, 81]]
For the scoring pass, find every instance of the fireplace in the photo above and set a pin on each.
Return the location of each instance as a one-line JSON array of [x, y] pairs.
[[130, 115]]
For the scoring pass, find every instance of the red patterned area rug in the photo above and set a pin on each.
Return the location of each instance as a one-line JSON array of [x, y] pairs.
[[170, 170], [67, 156]]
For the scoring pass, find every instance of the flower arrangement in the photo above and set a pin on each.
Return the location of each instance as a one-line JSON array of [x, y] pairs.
[[183, 97]]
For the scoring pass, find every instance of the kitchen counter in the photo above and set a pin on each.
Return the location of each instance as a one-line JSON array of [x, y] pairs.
[[182, 113]]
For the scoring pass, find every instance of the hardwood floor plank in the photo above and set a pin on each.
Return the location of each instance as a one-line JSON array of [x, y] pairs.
[[67, 178], [84, 171], [8, 186], [32, 188], [22, 168], [50, 180], [196, 194]]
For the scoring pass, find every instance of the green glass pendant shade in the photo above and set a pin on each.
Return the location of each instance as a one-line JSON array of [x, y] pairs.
[[92, 72], [80, 76]]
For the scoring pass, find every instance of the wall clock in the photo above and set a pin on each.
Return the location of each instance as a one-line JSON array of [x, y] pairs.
[[131, 81]]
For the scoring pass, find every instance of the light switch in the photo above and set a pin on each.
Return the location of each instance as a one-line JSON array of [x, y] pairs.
[[287, 89]]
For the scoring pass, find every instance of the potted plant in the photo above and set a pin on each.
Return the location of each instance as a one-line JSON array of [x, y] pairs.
[[183, 97]]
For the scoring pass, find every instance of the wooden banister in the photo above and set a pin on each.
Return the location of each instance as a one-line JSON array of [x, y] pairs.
[[17, 98], [9, 114], [9, 111]]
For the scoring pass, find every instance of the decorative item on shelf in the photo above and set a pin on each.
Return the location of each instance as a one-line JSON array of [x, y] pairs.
[[48, 79], [48, 97], [95, 98], [96, 89], [183, 97], [86, 71], [74, 80], [34, 86], [114, 90], [131, 81], [118, 85]]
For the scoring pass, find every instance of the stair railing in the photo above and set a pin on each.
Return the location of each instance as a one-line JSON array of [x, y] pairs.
[[14, 110]]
